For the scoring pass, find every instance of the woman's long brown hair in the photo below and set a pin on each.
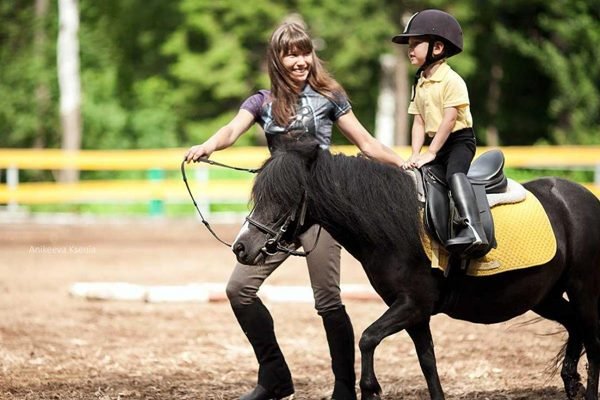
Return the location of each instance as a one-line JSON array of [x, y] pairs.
[[290, 37]]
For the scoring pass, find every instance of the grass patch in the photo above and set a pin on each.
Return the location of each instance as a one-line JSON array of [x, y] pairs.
[[527, 174], [137, 209]]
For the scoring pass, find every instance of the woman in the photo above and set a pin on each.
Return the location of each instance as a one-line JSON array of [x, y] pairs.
[[303, 103]]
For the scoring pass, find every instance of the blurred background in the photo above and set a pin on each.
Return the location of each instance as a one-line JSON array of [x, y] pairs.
[[101, 98]]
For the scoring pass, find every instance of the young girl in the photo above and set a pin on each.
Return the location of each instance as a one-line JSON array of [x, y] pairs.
[[440, 105], [304, 102]]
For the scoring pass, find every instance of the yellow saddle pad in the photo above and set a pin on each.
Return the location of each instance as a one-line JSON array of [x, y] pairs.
[[524, 235]]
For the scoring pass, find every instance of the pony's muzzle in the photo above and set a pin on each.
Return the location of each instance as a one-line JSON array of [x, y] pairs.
[[239, 250]]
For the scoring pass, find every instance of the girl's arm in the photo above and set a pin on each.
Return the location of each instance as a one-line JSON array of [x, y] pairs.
[[417, 139], [444, 130], [223, 138], [351, 127]]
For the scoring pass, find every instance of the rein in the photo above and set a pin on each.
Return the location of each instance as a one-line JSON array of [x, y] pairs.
[[211, 162]]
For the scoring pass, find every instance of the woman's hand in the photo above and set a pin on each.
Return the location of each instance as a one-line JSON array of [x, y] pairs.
[[411, 162], [418, 160], [196, 152], [424, 158], [223, 138]]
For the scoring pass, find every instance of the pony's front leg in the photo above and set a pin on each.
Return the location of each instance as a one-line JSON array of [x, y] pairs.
[[402, 314], [421, 337]]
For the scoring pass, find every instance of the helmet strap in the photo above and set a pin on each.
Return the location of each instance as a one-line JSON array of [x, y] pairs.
[[429, 60]]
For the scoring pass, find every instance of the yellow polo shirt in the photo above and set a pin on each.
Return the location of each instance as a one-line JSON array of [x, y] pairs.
[[444, 89]]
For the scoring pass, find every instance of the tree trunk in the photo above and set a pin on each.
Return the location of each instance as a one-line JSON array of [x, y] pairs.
[[496, 74], [402, 98], [69, 82], [386, 102], [42, 91]]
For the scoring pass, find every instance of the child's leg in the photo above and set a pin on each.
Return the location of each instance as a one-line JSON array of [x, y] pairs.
[[459, 154]]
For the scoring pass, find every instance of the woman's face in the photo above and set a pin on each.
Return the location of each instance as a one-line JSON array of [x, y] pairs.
[[297, 65]]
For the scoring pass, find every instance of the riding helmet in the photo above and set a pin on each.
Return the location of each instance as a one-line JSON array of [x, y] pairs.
[[434, 23]]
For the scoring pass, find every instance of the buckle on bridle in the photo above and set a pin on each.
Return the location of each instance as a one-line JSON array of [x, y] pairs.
[[271, 247]]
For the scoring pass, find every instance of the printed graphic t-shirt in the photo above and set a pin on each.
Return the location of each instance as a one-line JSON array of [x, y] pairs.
[[314, 117]]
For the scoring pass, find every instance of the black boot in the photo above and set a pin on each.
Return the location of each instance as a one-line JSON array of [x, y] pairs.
[[340, 337], [471, 236], [274, 377]]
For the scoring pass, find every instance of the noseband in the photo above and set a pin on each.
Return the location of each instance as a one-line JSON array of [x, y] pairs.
[[274, 236]]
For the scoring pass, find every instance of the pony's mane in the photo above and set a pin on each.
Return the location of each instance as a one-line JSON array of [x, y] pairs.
[[282, 178], [378, 201]]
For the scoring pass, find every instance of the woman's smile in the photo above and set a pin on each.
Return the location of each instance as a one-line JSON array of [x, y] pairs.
[[298, 65]]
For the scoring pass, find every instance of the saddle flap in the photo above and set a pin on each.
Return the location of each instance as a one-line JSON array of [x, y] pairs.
[[437, 204]]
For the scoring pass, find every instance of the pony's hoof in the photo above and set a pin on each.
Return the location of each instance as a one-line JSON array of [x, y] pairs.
[[370, 396], [576, 392]]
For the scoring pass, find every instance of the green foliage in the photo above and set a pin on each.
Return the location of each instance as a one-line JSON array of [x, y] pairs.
[[169, 73], [28, 83], [217, 52], [549, 49]]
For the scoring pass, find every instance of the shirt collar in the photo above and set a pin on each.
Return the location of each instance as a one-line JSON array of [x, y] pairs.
[[439, 74]]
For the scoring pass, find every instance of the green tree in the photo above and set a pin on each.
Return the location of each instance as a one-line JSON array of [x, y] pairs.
[[538, 76], [25, 120], [128, 99], [161, 74]]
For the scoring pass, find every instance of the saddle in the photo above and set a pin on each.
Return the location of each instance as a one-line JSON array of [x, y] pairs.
[[440, 216]]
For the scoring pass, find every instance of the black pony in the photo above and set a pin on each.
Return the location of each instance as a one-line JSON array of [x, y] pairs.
[[371, 209]]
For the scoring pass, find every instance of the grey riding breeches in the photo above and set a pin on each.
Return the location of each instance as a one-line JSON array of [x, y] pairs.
[[323, 264]]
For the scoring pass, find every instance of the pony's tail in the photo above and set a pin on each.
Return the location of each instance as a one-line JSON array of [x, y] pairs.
[[556, 364]]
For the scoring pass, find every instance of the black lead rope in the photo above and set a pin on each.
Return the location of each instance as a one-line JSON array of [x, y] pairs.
[[187, 186]]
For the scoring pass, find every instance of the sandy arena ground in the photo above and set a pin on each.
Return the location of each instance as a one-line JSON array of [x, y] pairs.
[[54, 346]]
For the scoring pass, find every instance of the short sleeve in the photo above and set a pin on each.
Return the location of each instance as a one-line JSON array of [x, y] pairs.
[[341, 106], [254, 103], [456, 93], [412, 108]]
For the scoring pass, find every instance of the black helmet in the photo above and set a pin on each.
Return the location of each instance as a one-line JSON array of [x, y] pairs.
[[434, 23]]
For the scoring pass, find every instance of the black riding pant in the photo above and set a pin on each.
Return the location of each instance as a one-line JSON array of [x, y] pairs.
[[457, 153]]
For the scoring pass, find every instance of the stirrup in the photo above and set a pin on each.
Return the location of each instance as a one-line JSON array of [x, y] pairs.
[[466, 240], [478, 239]]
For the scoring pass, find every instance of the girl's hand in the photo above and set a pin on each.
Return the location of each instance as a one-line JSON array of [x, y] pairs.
[[411, 162], [424, 158]]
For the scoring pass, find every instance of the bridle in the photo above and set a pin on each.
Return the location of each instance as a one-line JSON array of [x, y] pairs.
[[275, 236], [273, 243]]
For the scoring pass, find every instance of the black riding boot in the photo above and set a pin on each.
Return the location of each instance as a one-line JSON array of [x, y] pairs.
[[274, 377], [340, 337], [471, 236]]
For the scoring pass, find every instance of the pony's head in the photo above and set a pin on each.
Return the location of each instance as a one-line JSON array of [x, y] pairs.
[[279, 203]]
